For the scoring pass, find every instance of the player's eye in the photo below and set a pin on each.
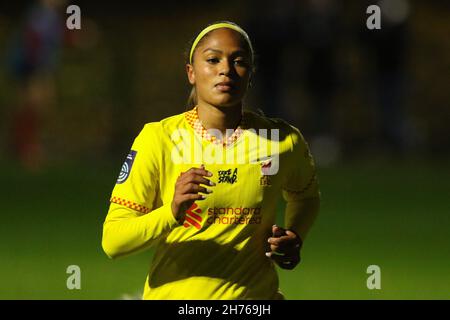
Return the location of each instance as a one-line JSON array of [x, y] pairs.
[[212, 60], [241, 62]]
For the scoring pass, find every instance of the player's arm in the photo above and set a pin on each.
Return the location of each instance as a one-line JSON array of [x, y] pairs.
[[136, 218], [286, 243], [301, 192], [300, 215], [126, 231], [134, 221], [301, 188]]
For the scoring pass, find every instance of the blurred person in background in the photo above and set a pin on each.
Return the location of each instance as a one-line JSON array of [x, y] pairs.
[[214, 225], [33, 60]]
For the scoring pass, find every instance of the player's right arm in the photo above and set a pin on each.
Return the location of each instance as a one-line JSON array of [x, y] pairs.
[[128, 226], [133, 223]]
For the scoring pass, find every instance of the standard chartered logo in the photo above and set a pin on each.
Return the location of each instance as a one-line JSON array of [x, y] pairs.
[[252, 148], [239, 215]]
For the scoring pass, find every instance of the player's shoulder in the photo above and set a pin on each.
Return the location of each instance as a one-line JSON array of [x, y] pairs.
[[260, 120], [164, 126], [155, 136], [173, 122]]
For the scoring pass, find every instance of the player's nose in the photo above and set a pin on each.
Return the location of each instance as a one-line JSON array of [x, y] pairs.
[[225, 67]]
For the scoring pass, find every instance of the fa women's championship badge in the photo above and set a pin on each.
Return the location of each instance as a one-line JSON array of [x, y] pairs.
[[126, 167]]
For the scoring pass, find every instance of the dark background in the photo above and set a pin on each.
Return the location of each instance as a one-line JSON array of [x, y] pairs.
[[373, 105]]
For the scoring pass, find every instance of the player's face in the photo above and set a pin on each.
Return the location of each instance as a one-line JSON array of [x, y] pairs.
[[221, 68]]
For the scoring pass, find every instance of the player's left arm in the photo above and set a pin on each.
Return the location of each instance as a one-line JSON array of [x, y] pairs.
[[301, 214], [286, 243], [301, 192]]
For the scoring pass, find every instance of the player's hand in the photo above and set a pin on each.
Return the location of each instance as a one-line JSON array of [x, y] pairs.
[[285, 248], [188, 189]]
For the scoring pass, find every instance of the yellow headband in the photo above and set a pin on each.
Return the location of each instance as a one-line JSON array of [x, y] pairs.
[[218, 26]]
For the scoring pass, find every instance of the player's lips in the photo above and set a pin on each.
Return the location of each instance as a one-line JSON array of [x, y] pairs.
[[225, 86]]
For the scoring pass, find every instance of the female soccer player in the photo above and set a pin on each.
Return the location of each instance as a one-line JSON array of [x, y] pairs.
[[203, 186]]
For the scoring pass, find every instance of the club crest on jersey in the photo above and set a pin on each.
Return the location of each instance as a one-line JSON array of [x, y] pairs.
[[265, 166], [126, 167], [228, 176]]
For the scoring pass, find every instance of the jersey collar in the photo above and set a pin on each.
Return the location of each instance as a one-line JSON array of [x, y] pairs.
[[194, 121]]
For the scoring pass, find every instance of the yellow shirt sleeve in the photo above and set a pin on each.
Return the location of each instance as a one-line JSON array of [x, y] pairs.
[[300, 187], [134, 221], [300, 182]]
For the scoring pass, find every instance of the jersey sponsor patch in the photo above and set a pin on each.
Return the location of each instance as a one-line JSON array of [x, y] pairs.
[[228, 176], [126, 167]]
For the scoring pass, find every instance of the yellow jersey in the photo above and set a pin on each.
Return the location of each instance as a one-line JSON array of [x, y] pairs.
[[218, 251]]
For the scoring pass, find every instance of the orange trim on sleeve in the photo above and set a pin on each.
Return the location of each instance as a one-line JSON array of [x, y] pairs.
[[130, 204]]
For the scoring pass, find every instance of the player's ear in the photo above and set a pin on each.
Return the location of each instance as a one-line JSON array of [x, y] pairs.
[[190, 73]]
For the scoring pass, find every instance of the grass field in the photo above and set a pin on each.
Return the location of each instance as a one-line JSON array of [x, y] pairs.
[[396, 216]]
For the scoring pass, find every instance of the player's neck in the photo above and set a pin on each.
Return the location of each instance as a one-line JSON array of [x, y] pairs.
[[220, 118]]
